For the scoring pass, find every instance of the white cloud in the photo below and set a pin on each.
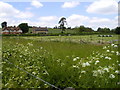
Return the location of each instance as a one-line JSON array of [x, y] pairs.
[[36, 3], [70, 4], [25, 15], [103, 7], [93, 22], [7, 10], [48, 18], [77, 20]]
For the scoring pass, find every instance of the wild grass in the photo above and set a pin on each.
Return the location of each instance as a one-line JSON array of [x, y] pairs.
[[61, 63]]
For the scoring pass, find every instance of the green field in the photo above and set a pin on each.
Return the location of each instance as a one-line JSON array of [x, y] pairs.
[[85, 61]]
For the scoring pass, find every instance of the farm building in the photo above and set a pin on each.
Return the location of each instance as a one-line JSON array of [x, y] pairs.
[[42, 30], [11, 30]]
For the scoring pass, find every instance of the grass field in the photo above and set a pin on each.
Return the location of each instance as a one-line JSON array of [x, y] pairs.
[[64, 61]]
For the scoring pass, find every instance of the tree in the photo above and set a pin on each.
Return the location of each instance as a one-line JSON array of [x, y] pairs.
[[62, 24], [117, 30], [24, 27], [103, 30], [4, 24]]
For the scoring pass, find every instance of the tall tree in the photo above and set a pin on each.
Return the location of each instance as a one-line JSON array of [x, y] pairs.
[[117, 30], [4, 24], [24, 27], [62, 23]]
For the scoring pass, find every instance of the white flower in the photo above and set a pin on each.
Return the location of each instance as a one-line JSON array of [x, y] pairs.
[[83, 71], [33, 73], [101, 56], [112, 44], [74, 66], [108, 50], [115, 46], [77, 57], [117, 53], [112, 51], [104, 47], [118, 82], [106, 69], [97, 62], [95, 73], [100, 71], [85, 64], [117, 71], [112, 76], [74, 59], [108, 58]]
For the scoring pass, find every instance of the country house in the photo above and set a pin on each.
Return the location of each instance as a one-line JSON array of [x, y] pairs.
[[42, 30], [11, 30]]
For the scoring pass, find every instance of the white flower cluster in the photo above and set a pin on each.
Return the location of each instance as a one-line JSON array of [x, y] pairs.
[[112, 76], [85, 64], [76, 58], [109, 58]]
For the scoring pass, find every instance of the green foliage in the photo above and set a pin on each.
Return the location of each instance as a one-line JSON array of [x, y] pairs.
[[64, 64], [24, 27], [83, 29], [62, 24], [4, 24], [117, 30], [103, 30]]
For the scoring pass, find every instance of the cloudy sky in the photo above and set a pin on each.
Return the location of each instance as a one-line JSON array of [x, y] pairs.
[[99, 13]]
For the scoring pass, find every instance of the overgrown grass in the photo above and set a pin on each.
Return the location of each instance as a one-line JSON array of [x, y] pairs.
[[64, 64]]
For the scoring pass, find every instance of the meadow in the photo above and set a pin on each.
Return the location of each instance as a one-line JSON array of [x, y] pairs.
[[85, 61]]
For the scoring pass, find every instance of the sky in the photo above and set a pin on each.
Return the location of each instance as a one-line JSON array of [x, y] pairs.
[[98, 13]]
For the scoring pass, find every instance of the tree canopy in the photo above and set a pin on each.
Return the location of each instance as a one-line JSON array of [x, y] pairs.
[[24, 27], [4, 24], [62, 23]]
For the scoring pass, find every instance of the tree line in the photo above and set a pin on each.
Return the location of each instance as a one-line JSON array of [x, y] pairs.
[[25, 28]]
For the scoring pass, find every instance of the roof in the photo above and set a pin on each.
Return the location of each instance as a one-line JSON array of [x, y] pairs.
[[40, 29], [10, 28]]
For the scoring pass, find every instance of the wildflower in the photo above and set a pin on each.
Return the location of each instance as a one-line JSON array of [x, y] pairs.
[[83, 71], [108, 50], [108, 58], [115, 46], [100, 71], [95, 73], [118, 82], [101, 56], [117, 53], [104, 47], [85, 64], [74, 59], [112, 76], [117, 72], [97, 62], [77, 57], [112, 51], [112, 44], [74, 66], [106, 69]]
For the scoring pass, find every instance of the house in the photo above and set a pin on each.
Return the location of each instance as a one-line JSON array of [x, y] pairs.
[[42, 30], [11, 30]]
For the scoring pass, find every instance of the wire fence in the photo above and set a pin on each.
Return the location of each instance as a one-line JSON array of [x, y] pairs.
[[33, 75]]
